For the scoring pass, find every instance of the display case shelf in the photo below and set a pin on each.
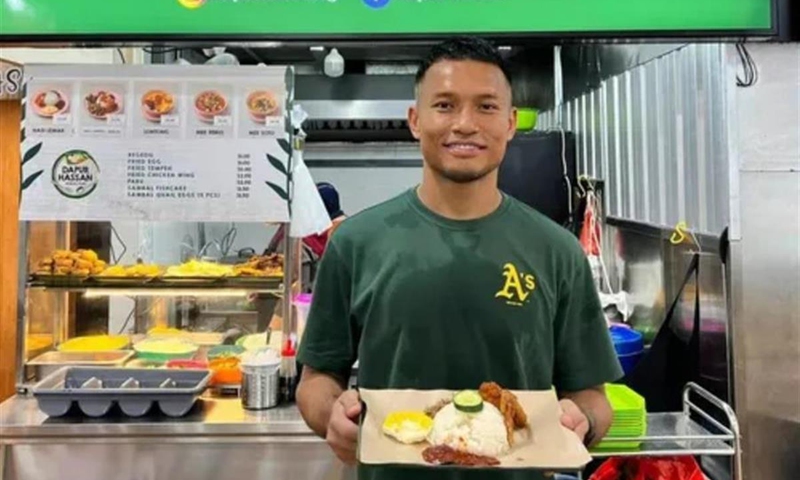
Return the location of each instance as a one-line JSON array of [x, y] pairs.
[[158, 284]]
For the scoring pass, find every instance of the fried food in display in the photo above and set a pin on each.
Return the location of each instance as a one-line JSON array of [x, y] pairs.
[[139, 270], [260, 266], [197, 268], [80, 263]]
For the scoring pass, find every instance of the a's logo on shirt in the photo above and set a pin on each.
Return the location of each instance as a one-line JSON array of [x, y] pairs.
[[518, 286]]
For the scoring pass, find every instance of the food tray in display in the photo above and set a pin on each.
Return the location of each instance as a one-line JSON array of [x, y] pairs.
[[136, 391], [39, 279], [122, 281], [50, 362], [201, 339], [192, 280], [78, 283], [544, 444], [95, 343], [152, 349]]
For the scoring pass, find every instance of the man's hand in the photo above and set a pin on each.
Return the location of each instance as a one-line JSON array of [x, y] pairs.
[[342, 435], [574, 419]]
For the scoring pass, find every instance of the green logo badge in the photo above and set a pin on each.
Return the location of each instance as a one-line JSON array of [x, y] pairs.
[[75, 174]]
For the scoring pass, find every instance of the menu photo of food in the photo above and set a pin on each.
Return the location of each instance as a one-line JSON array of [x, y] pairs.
[[262, 104], [102, 108], [489, 427], [51, 102], [212, 110], [158, 103], [50, 107], [210, 104], [101, 104], [156, 109]]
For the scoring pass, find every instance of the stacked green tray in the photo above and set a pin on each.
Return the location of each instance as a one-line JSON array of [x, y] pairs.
[[630, 419]]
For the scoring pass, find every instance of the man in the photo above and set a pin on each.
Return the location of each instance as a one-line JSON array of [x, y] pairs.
[[453, 283]]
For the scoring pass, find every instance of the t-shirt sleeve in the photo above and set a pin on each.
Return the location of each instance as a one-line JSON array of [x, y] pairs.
[[330, 341], [584, 353]]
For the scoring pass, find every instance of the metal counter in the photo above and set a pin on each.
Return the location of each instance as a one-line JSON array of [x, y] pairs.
[[218, 439]]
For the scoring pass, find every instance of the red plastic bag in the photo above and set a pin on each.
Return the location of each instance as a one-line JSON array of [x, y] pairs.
[[590, 231], [666, 468]]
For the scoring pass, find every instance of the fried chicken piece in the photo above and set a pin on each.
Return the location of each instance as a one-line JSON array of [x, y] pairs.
[[514, 416]]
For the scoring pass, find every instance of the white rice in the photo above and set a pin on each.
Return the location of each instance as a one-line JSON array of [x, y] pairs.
[[482, 433]]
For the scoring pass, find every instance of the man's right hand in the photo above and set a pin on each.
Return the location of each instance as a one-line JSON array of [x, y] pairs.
[[342, 433]]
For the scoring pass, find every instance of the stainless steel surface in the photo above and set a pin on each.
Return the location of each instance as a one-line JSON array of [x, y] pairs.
[[657, 133], [649, 268], [765, 260], [765, 280], [670, 434], [355, 109], [282, 459], [211, 420], [50, 362]]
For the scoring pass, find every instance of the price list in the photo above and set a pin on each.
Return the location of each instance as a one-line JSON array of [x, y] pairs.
[[244, 176]]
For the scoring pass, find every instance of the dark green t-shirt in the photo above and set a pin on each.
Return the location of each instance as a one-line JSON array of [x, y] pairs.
[[426, 302]]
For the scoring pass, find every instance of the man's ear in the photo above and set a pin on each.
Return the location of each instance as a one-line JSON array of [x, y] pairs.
[[413, 121], [512, 123]]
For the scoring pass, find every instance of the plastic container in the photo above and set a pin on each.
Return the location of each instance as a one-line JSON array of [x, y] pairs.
[[630, 419], [96, 390], [226, 371], [629, 345], [181, 364], [526, 119], [95, 343], [260, 379], [164, 350], [225, 351], [302, 303]]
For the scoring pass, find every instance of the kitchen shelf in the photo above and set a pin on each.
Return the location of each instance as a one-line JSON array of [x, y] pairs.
[[670, 434], [252, 284], [693, 431]]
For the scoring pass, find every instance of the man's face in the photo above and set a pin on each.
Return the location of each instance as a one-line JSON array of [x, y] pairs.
[[463, 119]]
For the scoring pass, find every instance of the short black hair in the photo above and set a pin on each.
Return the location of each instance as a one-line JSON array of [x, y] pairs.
[[463, 48]]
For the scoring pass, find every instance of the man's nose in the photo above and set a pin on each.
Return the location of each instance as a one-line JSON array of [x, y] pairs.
[[465, 123]]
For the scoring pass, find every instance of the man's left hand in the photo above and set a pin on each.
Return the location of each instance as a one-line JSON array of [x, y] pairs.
[[573, 418]]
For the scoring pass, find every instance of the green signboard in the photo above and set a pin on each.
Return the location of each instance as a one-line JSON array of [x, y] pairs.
[[273, 19]]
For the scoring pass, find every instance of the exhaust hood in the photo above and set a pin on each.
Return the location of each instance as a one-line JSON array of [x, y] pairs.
[[356, 108]]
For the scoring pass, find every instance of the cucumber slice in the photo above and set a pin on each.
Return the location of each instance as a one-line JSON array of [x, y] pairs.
[[468, 401]]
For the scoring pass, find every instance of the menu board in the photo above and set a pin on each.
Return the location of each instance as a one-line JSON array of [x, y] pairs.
[[177, 143]]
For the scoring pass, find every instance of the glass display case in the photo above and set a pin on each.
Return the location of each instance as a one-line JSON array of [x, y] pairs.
[[95, 290]]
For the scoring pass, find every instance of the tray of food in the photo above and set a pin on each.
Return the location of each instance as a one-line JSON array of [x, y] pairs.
[[66, 264], [486, 428], [95, 343], [136, 391], [194, 271], [50, 362], [137, 274]]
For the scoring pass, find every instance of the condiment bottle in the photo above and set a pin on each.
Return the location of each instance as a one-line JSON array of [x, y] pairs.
[[288, 371]]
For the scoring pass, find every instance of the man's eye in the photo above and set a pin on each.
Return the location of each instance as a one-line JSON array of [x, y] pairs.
[[489, 106], [443, 105]]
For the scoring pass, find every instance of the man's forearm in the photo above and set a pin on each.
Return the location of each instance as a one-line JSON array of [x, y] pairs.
[[316, 395], [594, 404]]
